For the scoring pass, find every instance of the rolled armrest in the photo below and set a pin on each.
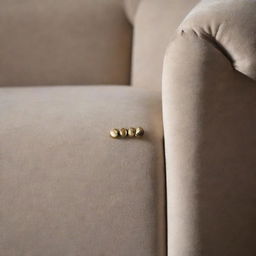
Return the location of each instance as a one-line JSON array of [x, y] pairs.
[[209, 111]]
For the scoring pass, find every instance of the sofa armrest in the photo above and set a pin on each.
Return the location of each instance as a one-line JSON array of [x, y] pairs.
[[209, 111]]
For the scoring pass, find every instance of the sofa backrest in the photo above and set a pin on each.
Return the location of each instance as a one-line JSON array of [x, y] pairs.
[[154, 25], [60, 42]]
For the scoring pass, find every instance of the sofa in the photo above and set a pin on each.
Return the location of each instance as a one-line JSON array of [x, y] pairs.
[[184, 71]]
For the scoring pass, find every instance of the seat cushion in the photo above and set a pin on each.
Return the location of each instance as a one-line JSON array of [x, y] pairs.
[[66, 187], [64, 42]]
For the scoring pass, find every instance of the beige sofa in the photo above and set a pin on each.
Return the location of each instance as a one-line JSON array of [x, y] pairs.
[[187, 187]]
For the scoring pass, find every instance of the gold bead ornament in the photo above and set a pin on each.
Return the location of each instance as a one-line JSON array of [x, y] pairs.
[[114, 133], [123, 132], [139, 132], [131, 132]]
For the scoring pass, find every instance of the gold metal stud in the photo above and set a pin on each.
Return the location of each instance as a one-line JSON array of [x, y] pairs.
[[123, 132], [114, 133], [139, 132], [131, 132]]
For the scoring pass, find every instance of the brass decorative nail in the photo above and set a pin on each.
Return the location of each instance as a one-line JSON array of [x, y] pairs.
[[123, 132], [139, 132], [131, 132], [114, 133]]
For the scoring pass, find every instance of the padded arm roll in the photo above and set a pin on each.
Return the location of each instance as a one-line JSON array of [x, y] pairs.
[[209, 113]]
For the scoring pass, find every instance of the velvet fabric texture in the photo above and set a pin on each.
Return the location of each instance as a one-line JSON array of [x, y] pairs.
[[154, 26], [209, 108], [64, 42], [131, 7], [67, 188]]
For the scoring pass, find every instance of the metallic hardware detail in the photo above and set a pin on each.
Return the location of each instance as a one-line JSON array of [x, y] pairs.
[[131, 132], [123, 132], [114, 133], [139, 132]]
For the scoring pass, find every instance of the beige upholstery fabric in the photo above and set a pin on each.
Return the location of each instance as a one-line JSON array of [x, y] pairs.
[[66, 187], [155, 24], [209, 121], [60, 42], [131, 7], [231, 25]]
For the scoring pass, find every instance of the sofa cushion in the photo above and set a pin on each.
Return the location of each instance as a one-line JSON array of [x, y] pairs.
[[154, 27], [64, 42], [68, 188], [131, 7]]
